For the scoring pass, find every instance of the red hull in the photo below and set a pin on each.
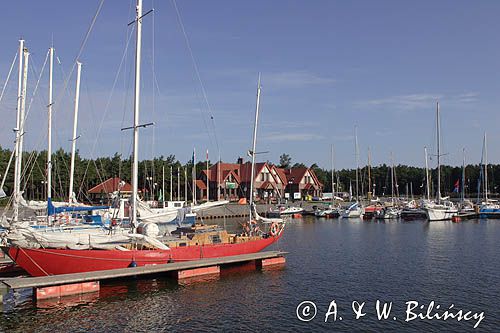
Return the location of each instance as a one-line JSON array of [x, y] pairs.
[[42, 262]]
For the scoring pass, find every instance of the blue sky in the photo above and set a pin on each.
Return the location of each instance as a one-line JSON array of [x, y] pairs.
[[327, 66]]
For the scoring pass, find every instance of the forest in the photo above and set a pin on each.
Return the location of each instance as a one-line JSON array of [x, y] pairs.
[[410, 180]]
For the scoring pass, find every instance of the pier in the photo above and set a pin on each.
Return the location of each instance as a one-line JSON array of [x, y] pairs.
[[78, 283]]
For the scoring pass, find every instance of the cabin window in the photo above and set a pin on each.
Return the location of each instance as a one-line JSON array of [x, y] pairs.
[[177, 204], [182, 244], [216, 239]]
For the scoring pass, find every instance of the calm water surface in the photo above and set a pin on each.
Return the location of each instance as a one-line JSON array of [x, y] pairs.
[[341, 260]]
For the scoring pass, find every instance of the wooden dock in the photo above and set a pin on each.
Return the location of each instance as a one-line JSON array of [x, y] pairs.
[[271, 257]]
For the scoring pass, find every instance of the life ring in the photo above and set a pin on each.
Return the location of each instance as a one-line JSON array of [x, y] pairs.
[[274, 230]]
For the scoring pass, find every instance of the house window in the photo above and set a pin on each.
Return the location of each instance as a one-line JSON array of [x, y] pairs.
[[262, 177]]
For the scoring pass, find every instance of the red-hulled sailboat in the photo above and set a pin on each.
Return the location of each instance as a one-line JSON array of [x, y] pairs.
[[191, 243], [195, 242]]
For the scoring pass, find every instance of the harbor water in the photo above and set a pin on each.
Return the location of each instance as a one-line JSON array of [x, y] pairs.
[[329, 262]]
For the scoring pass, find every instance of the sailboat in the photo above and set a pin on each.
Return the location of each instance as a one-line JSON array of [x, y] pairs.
[[190, 243], [441, 209], [355, 210], [390, 212], [489, 207], [331, 211]]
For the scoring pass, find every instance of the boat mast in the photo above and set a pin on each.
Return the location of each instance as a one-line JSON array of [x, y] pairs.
[[171, 183], [72, 197], [485, 169], [193, 175], [427, 186], [163, 184], [357, 162], [369, 193], [18, 153], [22, 122], [135, 163], [185, 184], [218, 178], [392, 179], [178, 183], [49, 130], [438, 155], [333, 179], [208, 182], [254, 144], [463, 177]]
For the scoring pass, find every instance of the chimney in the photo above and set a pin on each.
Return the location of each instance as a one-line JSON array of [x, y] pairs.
[[240, 160]]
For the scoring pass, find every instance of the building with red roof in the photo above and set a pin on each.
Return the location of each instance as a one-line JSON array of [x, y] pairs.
[[105, 189], [232, 181]]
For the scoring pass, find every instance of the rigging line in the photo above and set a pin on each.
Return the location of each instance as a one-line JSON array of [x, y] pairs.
[[195, 65], [108, 103], [126, 86], [8, 77], [33, 70], [80, 51]]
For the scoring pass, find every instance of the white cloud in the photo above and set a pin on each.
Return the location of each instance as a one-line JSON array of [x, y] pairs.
[[291, 137], [294, 79], [418, 101]]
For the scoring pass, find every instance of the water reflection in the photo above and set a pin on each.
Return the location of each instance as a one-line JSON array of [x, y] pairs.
[[328, 259]]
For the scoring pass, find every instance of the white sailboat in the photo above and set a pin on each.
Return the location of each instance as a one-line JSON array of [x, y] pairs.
[[488, 206], [441, 209], [355, 210]]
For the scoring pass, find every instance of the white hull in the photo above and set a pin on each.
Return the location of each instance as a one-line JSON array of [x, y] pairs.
[[440, 214], [353, 213]]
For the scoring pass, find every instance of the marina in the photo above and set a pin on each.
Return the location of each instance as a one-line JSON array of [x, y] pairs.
[[441, 261], [261, 167]]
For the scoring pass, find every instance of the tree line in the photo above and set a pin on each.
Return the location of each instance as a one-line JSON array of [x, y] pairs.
[[91, 172]]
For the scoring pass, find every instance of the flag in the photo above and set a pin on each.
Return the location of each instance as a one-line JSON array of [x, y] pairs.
[[194, 155], [207, 154], [456, 189]]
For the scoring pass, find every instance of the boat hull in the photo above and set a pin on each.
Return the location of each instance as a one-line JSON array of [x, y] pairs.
[[434, 214], [43, 262]]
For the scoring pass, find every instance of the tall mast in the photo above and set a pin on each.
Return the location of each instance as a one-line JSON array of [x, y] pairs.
[[178, 183], [163, 184], [254, 144], [71, 196], [185, 184], [357, 162], [218, 178], [49, 127], [369, 192], [392, 178], [485, 169], [333, 180], [18, 154], [208, 181], [171, 184], [427, 185], [463, 177], [135, 163], [193, 175], [438, 155]]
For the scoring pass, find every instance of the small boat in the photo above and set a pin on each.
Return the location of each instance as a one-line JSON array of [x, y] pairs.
[[388, 213], [353, 211], [371, 211], [329, 212], [283, 210]]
